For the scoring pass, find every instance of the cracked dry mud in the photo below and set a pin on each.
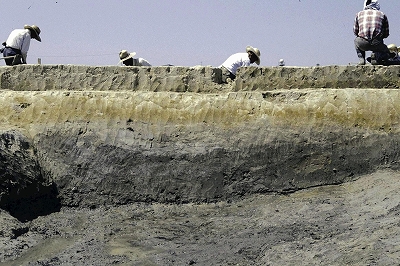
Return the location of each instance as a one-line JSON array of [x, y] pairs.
[[355, 223]]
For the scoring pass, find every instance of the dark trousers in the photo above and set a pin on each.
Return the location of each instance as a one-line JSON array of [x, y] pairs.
[[375, 45], [14, 54]]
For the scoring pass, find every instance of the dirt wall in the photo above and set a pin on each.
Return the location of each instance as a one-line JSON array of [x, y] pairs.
[[114, 135]]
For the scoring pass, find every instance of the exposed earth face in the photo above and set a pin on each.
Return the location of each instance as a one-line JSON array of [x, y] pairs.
[[170, 166]]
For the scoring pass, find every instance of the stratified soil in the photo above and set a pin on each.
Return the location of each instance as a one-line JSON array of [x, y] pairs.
[[355, 223]]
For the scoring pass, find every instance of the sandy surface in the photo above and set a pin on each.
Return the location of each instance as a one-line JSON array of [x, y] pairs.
[[355, 223]]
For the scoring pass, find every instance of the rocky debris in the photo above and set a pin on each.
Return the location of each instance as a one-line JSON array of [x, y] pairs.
[[11, 227]]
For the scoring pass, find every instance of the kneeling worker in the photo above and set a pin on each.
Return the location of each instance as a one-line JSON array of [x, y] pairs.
[[230, 66], [128, 60]]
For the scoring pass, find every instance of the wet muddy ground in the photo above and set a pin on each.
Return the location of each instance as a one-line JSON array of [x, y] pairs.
[[356, 223]]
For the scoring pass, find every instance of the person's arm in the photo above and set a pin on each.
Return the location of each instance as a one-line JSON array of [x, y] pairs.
[[385, 27], [25, 47], [356, 27]]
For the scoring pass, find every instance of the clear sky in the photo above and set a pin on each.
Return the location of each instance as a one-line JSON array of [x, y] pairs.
[[192, 32]]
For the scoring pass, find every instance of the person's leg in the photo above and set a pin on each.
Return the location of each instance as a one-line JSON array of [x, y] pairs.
[[7, 53], [381, 50], [361, 45], [15, 58]]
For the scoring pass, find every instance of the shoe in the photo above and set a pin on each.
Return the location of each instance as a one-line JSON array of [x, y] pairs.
[[361, 62], [374, 60]]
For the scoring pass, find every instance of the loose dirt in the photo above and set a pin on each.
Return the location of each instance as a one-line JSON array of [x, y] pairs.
[[355, 223]]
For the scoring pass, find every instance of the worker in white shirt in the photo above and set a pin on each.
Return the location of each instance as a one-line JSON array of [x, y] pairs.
[[128, 60], [17, 44], [230, 66]]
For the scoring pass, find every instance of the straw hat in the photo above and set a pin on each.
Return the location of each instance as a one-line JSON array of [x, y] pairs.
[[35, 30], [392, 48], [124, 55], [255, 51]]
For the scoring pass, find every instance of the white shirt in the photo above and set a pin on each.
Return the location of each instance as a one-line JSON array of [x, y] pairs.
[[235, 61], [142, 62], [137, 62], [20, 39]]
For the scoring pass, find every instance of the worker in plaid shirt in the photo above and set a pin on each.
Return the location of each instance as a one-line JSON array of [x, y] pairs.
[[371, 26]]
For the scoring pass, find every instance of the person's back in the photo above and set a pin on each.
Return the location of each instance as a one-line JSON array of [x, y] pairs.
[[371, 24], [141, 62], [235, 61]]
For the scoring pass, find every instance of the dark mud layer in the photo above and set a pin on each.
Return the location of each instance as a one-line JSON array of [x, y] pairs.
[[355, 223]]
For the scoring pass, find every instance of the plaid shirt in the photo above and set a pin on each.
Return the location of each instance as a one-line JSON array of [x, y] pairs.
[[370, 24]]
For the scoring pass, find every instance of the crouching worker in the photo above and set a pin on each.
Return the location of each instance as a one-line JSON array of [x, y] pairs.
[[128, 60], [371, 26], [17, 44], [230, 66]]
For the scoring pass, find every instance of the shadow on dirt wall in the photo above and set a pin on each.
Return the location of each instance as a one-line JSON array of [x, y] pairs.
[[24, 192], [31, 202]]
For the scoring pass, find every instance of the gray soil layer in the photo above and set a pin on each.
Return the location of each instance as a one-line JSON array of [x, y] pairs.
[[356, 223]]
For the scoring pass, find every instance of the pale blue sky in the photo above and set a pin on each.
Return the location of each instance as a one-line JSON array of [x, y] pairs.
[[192, 32]]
